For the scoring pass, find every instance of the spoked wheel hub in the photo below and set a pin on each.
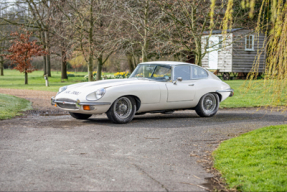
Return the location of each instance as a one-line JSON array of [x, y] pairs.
[[123, 107], [209, 103]]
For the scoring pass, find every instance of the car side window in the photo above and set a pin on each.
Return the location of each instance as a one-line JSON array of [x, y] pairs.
[[198, 73], [182, 71]]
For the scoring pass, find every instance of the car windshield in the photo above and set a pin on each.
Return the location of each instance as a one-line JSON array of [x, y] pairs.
[[153, 72]]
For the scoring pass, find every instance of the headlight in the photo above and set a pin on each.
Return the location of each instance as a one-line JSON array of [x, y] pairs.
[[61, 89], [96, 95]]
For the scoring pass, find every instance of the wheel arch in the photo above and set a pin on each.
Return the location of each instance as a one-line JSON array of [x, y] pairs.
[[136, 98], [219, 95]]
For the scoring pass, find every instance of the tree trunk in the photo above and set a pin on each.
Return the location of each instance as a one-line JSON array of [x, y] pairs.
[[64, 65], [26, 78], [91, 55], [48, 60], [90, 67], [144, 54], [130, 61], [1, 66], [145, 39], [99, 68], [44, 57], [48, 63], [44, 65], [198, 55], [136, 61]]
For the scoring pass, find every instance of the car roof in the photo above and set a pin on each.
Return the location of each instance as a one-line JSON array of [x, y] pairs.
[[167, 62]]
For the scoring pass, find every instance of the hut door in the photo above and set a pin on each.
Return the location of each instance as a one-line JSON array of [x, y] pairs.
[[213, 52]]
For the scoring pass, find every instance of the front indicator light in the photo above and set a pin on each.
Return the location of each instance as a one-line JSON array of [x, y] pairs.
[[55, 105], [86, 107]]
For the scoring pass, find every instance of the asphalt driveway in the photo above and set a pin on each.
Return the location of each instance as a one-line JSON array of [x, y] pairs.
[[154, 152]]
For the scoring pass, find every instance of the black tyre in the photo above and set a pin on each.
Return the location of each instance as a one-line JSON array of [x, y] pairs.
[[122, 110], [80, 115], [208, 105]]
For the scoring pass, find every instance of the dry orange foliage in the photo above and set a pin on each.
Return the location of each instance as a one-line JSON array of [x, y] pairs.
[[22, 50]]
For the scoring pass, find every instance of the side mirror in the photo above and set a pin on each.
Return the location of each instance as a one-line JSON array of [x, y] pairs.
[[177, 79]]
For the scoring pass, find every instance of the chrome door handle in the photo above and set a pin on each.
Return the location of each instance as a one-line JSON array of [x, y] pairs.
[[191, 85]]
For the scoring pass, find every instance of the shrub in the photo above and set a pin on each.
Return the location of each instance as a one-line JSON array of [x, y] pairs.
[[121, 75]]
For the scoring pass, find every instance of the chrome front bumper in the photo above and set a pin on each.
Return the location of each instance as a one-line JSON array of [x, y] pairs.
[[227, 90], [77, 103]]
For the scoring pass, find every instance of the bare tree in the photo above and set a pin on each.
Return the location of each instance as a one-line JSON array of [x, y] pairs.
[[145, 19], [9, 13], [96, 31], [189, 20], [40, 13]]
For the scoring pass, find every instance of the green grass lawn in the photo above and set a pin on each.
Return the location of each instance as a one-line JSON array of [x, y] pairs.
[[13, 79], [247, 97], [10, 106], [255, 161]]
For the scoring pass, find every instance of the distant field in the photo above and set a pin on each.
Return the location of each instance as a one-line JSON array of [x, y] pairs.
[[15, 80]]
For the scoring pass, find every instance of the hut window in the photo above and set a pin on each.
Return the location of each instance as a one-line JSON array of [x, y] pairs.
[[220, 42], [249, 42]]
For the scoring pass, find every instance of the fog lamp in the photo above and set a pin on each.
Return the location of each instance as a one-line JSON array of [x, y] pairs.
[[86, 107]]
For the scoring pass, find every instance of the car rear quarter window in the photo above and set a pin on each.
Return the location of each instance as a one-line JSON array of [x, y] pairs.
[[198, 73]]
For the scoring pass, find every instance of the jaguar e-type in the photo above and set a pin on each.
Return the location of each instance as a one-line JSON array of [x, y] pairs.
[[153, 87]]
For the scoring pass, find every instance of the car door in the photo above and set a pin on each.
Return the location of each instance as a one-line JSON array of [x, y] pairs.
[[184, 90]]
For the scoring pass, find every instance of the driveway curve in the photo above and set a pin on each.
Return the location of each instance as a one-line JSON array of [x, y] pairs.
[[154, 152]]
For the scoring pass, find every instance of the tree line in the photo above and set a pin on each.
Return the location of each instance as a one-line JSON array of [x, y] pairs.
[[96, 29]]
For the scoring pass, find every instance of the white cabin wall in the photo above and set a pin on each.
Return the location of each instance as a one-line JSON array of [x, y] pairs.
[[204, 60], [224, 54]]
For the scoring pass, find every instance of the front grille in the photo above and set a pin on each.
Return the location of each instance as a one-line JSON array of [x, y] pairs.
[[66, 100], [67, 106]]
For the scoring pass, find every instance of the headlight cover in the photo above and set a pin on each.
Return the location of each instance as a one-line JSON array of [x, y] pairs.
[[61, 89], [96, 95]]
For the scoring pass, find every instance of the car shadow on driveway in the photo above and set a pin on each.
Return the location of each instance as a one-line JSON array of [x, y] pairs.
[[190, 119]]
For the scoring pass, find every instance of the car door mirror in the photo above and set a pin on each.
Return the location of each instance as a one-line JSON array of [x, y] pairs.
[[177, 79]]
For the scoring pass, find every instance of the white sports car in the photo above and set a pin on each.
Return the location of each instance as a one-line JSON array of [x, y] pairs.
[[153, 87]]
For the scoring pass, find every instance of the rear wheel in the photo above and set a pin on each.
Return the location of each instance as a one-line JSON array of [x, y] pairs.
[[208, 105], [80, 115], [122, 110]]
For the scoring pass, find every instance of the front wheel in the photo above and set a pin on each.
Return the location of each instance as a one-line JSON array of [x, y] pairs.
[[208, 105], [80, 115], [122, 110]]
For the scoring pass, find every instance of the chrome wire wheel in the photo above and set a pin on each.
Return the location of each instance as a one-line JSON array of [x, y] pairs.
[[123, 108], [209, 103]]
